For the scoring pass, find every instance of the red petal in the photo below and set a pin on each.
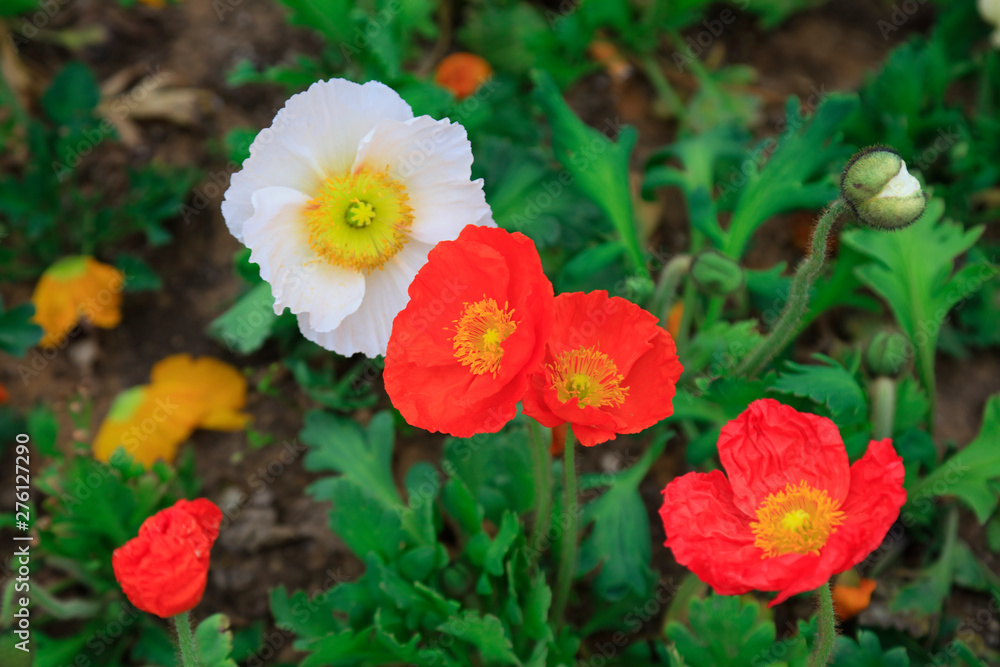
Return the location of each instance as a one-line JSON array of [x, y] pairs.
[[655, 377], [771, 445], [707, 532], [872, 505]]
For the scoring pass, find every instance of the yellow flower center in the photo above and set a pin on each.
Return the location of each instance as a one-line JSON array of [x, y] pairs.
[[481, 331], [589, 376], [797, 520], [360, 220]]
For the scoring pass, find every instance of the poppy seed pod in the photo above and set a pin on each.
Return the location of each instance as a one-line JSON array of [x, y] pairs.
[[879, 190], [715, 274]]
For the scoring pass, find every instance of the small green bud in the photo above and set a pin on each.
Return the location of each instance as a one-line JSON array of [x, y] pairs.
[[715, 274], [888, 354], [880, 191]]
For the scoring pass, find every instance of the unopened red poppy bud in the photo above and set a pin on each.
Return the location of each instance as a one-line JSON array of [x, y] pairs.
[[880, 191], [164, 570], [715, 274], [888, 354]]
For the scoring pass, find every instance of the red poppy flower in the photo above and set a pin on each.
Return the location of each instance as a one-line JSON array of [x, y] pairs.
[[608, 368], [480, 310], [163, 571], [792, 512]]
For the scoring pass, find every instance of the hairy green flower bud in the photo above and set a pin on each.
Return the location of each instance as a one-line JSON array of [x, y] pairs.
[[888, 354], [715, 274], [879, 190]]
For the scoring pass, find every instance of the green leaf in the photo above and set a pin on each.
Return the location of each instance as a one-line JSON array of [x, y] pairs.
[[486, 633], [72, 96], [248, 323], [18, 333], [796, 173], [972, 474], [927, 594], [139, 276], [215, 642], [620, 539], [339, 444], [599, 166], [44, 428], [913, 272], [496, 468], [829, 384], [726, 631], [867, 652]]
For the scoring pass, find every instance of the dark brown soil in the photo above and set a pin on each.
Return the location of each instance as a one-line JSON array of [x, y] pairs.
[[276, 534]]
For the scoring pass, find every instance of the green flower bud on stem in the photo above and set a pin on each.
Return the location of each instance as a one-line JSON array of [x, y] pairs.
[[715, 274], [888, 354], [879, 190]]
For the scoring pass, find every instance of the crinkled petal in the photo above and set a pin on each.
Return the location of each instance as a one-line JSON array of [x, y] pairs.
[[707, 532], [368, 328], [433, 160], [314, 136], [771, 445], [321, 293], [872, 505]]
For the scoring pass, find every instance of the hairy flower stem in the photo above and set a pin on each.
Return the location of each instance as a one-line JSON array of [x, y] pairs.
[[883, 392], [543, 492], [798, 297], [823, 648], [567, 552], [185, 639]]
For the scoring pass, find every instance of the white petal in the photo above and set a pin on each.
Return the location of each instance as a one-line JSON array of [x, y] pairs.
[[315, 135], [433, 160], [901, 185], [367, 330], [278, 239]]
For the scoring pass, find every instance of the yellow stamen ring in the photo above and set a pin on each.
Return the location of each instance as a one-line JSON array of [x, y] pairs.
[[798, 519], [588, 375], [359, 220], [480, 333]]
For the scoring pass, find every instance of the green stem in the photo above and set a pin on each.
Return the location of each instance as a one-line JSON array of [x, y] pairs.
[[185, 639], [666, 287], [883, 407], [667, 97], [543, 492], [823, 648], [798, 297], [567, 552]]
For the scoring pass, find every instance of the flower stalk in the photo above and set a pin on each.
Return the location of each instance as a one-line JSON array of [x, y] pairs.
[[567, 555], [185, 639], [798, 297], [823, 649], [883, 392], [543, 491]]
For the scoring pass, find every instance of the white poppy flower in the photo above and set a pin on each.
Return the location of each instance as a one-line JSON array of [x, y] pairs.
[[990, 11], [340, 201]]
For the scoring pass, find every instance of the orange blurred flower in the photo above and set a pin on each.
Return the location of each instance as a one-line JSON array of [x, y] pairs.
[[75, 288], [674, 319], [151, 421], [462, 73], [4, 394], [608, 55], [849, 601]]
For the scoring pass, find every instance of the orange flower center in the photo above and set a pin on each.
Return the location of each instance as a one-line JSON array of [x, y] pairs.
[[481, 331], [797, 520], [360, 220], [589, 376]]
